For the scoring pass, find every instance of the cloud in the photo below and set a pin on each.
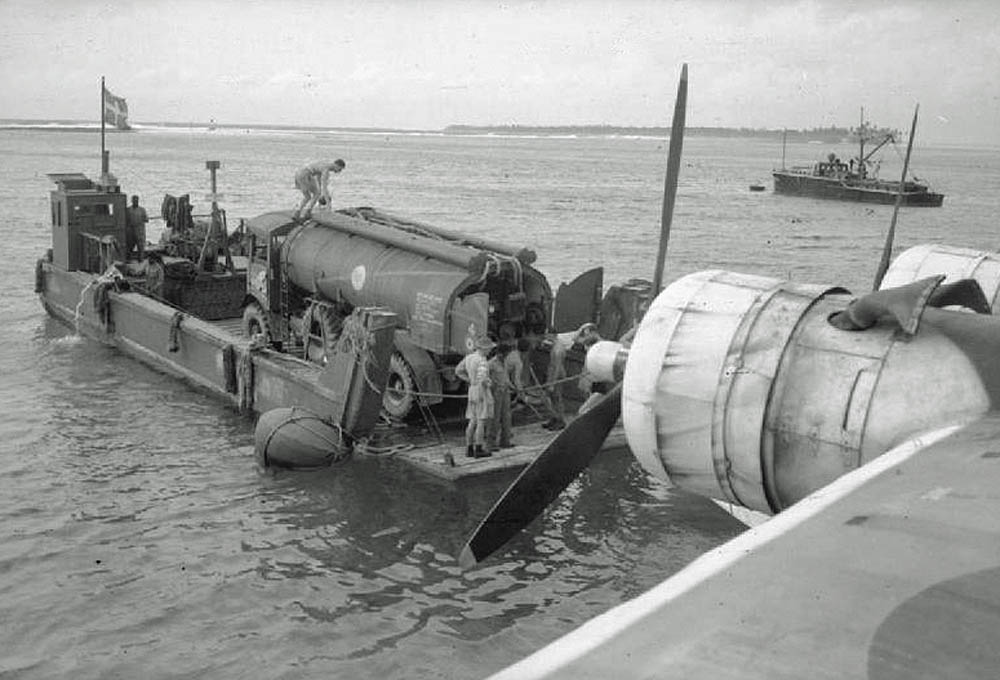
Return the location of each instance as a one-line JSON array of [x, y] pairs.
[[393, 63]]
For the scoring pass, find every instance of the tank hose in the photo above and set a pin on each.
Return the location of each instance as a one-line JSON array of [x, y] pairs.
[[307, 322]]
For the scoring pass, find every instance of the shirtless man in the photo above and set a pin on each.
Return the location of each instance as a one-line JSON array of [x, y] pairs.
[[560, 345], [312, 181]]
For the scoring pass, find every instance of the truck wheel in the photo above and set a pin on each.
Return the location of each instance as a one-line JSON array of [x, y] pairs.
[[400, 391], [255, 322]]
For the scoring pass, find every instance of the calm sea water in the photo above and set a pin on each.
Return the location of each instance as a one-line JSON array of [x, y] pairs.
[[139, 539]]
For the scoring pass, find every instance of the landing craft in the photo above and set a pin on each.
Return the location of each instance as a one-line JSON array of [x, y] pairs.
[[868, 426]]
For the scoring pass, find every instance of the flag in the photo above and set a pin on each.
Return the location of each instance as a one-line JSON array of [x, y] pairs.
[[115, 110]]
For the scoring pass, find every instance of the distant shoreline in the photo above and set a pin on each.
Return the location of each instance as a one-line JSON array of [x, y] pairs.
[[829, 134]]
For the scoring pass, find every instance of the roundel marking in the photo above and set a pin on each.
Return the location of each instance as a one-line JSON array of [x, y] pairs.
[[358, 275]]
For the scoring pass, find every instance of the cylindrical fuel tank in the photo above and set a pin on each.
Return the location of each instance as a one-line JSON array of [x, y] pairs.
[[369, 264], [738, 388], [931, 259]]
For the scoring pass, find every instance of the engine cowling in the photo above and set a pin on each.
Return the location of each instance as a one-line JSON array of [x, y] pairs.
[[737, 387], [955, 263]]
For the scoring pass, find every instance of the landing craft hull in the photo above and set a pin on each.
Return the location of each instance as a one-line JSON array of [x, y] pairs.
[[142, 330], [207, 355], [860, 191]]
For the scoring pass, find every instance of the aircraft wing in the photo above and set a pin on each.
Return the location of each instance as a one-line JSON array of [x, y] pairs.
[[892, 571]]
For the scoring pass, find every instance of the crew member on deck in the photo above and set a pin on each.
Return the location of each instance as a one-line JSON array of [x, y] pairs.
[[474, 369], [135, 229], [313, 181], [505, 372], [586, 335]]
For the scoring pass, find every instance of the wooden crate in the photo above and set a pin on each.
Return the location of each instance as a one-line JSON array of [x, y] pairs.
[[208, 296]]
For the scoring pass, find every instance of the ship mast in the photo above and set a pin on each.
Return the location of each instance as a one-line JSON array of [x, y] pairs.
[[104, 154], [861, 139]]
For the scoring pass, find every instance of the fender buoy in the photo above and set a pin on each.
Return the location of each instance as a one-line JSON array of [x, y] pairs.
[[39, 276], [297, 439]]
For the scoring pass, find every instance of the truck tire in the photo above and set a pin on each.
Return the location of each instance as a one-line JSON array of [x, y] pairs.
[[255, 322], [401, 388]]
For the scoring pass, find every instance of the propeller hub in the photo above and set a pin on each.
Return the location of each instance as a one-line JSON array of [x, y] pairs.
[[606, 361]]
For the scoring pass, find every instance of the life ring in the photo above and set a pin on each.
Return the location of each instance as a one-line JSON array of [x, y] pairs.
[[327, 325], [255, 322], [400, 395]]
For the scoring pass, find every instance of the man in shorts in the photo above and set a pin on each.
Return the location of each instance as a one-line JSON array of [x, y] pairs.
[[474, 369], [313, 180]]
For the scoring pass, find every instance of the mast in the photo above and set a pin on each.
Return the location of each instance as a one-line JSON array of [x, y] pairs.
[[861, 139], [104, 154], [784, 138]]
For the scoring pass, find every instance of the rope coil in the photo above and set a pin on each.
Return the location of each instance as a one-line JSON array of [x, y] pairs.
[[356, 340]]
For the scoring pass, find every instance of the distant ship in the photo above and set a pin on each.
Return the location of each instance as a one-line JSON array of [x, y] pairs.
[[855, 180]]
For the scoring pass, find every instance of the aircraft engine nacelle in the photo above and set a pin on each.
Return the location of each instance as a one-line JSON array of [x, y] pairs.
[[955, 263], [737, 387]]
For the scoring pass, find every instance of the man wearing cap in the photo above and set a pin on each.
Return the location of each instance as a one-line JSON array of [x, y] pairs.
[[474, 369], [586, 335], [313, 180]]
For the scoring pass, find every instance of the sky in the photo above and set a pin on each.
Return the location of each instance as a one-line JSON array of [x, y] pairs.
[[419, 64]]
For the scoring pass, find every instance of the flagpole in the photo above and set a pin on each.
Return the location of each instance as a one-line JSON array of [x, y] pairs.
[[104, 155]]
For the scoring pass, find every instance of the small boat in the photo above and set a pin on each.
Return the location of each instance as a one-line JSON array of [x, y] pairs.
[[757, 187], [855, 180]]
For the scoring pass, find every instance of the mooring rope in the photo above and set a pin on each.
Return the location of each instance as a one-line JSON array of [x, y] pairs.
[[359, 342]]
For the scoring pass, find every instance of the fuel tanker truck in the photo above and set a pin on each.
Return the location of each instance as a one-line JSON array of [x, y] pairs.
[[305, 276]]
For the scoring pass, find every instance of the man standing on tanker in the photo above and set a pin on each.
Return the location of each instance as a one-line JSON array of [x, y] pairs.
[[313, 180], [135, 229]]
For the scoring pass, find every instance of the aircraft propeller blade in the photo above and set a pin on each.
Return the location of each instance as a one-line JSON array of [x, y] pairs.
[[883, 265], [544, 479], [670, 181], [576, 446]]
